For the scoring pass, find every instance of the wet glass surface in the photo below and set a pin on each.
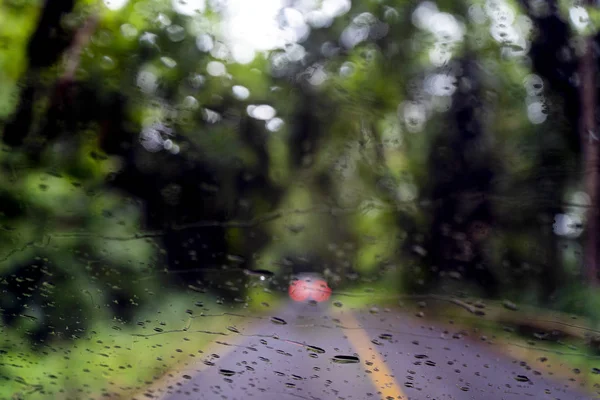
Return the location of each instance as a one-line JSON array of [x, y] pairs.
[[299, 199]]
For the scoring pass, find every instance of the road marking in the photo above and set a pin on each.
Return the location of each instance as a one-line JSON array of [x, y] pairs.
[[160, 387], [381, 376]]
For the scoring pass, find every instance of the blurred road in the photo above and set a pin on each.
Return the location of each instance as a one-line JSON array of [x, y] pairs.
[[336, 354]]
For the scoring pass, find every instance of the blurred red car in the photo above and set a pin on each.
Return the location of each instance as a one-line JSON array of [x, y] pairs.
[[309, 287]]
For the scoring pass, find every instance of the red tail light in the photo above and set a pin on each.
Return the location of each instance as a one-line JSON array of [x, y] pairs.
[[309, 289]]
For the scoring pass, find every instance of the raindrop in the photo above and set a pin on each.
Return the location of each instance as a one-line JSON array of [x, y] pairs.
[[197, 81], [163, 20], [341, 359], [240, 92], [226, 372], [129, 31], [188, 7], [204, 43], [263, 112], [509, 305], [522, 378], [318, 19], [537, 112], [216, 68], [347, 69], [274, 124], [168, 62], [278, 321], [259, 272], [148, 39], [176, 33], [107, 62], [147, 81], [579, 17], [315, 349], [190, 103]]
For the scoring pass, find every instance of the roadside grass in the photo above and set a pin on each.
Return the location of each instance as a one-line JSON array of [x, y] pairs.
[[116, 360], [531, 336], [550, 343]]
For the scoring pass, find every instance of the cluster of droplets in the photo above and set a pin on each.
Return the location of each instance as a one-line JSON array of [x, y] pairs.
[[537, 109], [446, 30], [508, 28]]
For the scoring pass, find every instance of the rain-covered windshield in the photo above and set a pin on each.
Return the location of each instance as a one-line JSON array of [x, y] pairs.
[[299, 199]]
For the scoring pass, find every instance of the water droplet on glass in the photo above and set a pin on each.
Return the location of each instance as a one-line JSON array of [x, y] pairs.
[[274, 124], [263, 111], [226, 372], [278, 321], [240, 92], [341, 359], [204, 42], [315, 349], [176, 33], [168, 62], [509, 305], [216, 68]]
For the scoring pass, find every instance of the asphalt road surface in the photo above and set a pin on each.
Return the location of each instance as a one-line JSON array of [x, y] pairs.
[[335, 354]]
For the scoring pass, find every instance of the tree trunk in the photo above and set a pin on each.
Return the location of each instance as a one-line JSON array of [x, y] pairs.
[[589, 144]]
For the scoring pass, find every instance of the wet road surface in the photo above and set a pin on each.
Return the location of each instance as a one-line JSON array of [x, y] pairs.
[[328, 353]]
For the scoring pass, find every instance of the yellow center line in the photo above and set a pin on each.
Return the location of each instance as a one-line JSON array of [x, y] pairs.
[[381, 376]]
